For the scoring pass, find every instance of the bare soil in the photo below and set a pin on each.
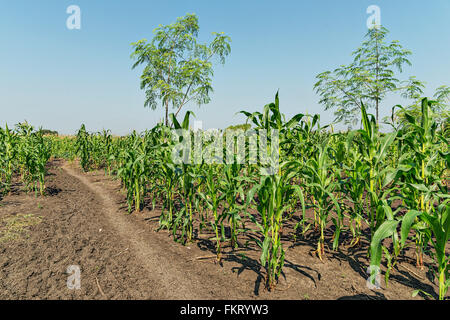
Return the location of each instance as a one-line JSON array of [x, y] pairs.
[[83, 221]]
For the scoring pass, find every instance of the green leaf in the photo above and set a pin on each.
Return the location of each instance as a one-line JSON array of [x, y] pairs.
[[407, 222], [385, 144], [265, 251], [386, 229], [419, 187]]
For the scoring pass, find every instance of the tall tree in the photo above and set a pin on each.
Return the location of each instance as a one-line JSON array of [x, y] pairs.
[[369, 78], [178, 69]]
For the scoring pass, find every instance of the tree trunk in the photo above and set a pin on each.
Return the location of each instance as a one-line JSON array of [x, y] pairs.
[[376, 107], [377, 97], [167, 114]]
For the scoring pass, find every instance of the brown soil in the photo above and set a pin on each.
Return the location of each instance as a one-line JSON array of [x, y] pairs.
[[83, 221]]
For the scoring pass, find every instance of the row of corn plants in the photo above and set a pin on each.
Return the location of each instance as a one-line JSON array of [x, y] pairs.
[[24, 152], [366, 183]]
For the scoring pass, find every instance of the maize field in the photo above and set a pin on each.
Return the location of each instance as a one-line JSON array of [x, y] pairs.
[[386, 189]]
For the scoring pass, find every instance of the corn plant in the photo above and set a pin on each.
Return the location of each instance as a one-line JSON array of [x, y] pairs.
[[274, 192], [134, 172], [419, 168], [83, 147], [232, 186], [169, 177], [353, 188], [34, 151], [439, 224], [184, 218], [389, 229], [166, 173], [8, 142], [42, 156], [438, 234], [213, 198], [374, 148], [321, 186]]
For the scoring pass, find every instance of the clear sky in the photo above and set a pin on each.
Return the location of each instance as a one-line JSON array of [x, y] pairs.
[[59, 78]]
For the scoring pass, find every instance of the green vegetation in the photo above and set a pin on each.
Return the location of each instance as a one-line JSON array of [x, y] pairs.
[[24, 151], [244, 127], [386, 185], [17, 227], [368, 79], [178, 69]]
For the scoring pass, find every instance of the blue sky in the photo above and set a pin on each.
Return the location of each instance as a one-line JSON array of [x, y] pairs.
[[59, 78]]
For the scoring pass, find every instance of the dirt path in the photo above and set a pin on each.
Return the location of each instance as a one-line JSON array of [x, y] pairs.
[[160, 258]]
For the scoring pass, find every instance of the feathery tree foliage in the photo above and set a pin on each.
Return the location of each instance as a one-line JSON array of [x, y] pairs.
[[178, 69], [368, 79]]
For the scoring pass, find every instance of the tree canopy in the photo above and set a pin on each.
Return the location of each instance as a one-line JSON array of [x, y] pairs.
[[178, 69], [368, 79]]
